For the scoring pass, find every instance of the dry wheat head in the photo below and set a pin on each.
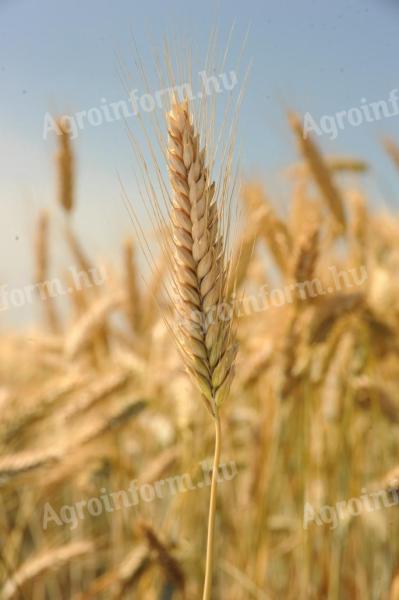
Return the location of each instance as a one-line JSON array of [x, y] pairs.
[[204, 334], [65, 166]]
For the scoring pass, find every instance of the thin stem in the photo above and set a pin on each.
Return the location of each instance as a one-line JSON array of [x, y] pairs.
[[212, 513]]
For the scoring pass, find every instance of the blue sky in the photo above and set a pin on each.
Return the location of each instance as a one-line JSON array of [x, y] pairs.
[[314, 56]]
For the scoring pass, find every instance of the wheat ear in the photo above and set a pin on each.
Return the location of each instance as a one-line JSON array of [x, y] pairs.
[[319, 169], [200, 280], [199, 269], [65, 165]]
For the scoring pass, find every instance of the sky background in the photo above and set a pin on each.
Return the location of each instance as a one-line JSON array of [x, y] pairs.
[[315, 56]]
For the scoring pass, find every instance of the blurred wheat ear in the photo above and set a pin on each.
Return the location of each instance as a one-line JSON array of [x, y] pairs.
[[65, 167], [320, 173]]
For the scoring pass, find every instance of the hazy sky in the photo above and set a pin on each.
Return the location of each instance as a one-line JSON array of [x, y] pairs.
[[316, 56]]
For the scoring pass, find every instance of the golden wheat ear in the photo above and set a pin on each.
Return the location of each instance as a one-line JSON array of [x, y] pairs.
[[203, 333], [66, 170], [321, 174], [199, 262]]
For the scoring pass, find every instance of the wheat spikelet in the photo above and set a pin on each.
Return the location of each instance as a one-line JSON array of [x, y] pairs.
[[319, 170], [65, 166], [200, 275]]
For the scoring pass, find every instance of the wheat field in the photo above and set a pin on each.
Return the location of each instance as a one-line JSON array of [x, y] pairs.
[[106, 444]]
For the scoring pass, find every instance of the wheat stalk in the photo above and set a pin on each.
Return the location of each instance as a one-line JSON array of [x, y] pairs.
[[131, 284], [200, 280], [42, 269]]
